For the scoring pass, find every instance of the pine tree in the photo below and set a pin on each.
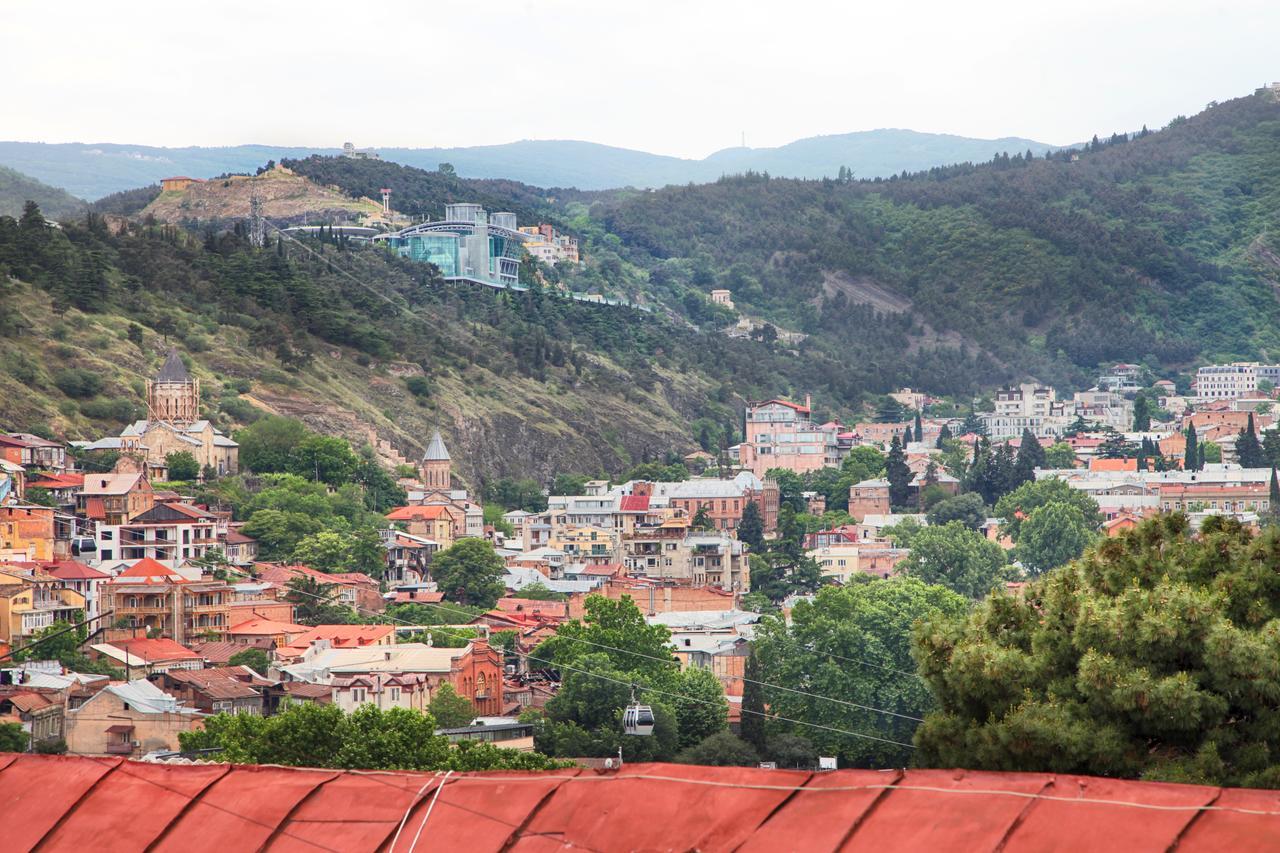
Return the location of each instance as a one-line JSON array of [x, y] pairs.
[[944, 435], [1030, 457]]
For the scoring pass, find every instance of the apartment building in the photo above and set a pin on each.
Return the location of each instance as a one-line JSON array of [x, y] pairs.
[[1231, 381], [156, 597], [782, 434], [1026, 406], [170, 533]]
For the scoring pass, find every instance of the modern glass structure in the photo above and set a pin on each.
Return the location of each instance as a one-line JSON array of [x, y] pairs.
[[467, 245]]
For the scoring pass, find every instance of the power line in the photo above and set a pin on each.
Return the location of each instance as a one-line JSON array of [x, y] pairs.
[[744, 678], [606, 678], [54, 635]]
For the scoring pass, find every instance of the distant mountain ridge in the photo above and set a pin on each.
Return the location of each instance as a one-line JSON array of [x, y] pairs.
[[92, 171], [16, 189]]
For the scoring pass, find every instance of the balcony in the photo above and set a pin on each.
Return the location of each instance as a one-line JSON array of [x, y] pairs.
[[125, 748]]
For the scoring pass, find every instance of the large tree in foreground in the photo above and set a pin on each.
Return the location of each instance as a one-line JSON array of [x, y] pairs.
[[852, 644], [469, 572], [1156, 655]]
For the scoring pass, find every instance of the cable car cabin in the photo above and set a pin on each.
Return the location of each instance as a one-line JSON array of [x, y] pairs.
[[83, 545], [637, 720]]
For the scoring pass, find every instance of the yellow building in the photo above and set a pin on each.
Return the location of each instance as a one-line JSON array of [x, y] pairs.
[[31, 602], [26, 532], [588, 543]]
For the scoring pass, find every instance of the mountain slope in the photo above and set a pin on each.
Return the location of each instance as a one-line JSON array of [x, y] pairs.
[[16, 189], [1161, 248], [521, 386], [95, 170]]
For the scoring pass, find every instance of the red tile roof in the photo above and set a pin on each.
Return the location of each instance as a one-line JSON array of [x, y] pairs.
[[155, 648], [418, 513], [73, 570], [148, 570], [57, 481], [634, 503], [69, 802], [258, 626]]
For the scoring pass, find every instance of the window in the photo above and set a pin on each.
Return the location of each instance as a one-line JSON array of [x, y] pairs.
[[358, 695], [395, 694]]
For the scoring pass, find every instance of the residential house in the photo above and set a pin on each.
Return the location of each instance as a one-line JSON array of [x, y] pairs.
[[782, 434], [129, 719], [869, 497], [224, 690], [434, 523], [338, 637], [845, 560], [114, 499], [1026, 406], [171, 533], [147, 655], [166, 603], [32, 600], [83, 580], [475, 671], [44, 454], [357, 591], [723, 500], [27, 532], [240, 550], [409, 690], [38, 710]]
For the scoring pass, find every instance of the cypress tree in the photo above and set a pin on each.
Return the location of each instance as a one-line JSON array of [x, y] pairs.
[[1248, 449], [898, 474], [751, 726], [1191, 457], [944, 435], [919, 436]]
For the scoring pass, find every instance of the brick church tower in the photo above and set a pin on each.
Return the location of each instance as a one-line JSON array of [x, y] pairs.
[[174, 395], [436, 465]]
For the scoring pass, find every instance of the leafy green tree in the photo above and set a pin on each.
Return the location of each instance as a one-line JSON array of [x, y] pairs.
[[311, 735], [1210, 453], [701, 709], [584, 718], [852, 643], [751, 526], [702, 519], [278, 532], [326, 459], [255, 659], [1116, 446], [1151, 657], [616, 629], [569, 484], [539, 591], [958, 558], [722, 749], [1017, 506], [13, 738], [316, 603], [451, 710], [326, 551], [792, 751], [182, 466], [863, 463], [1052, 535], [267, 444], [898, 474], [469, 572], [1059, 455], [968, 509]]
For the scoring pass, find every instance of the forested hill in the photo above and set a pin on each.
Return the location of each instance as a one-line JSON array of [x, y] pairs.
[[360, 343], [16, 189], [1162, 248]]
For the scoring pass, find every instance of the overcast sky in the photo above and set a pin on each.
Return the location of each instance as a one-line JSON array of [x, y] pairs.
[[682, 78]]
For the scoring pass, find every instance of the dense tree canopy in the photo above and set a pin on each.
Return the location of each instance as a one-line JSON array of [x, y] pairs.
[[1154, 656], [853, 644]]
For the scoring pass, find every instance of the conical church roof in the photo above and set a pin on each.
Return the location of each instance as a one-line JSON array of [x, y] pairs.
[[436, 451], [173, 370]]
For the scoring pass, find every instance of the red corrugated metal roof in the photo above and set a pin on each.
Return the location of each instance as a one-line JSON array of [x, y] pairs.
[[634, 503], [111, 804]]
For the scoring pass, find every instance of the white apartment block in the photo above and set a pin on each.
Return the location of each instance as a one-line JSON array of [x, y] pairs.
[[1026, 406], [1231, 381]]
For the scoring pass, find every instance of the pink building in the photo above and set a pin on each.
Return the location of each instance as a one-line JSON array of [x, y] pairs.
[[782, 434]]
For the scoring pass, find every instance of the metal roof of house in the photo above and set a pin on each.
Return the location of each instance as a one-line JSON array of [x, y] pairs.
[[71, 802]]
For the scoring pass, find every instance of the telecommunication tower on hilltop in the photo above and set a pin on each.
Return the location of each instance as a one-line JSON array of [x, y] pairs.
[[386, 200]]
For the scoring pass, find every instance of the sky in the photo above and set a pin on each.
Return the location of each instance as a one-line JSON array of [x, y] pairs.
[[682, 78]]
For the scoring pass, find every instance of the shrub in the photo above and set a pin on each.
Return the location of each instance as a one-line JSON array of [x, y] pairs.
[[77, 382]]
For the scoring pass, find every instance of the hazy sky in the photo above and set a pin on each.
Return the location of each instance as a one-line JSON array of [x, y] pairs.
[[682, 78]]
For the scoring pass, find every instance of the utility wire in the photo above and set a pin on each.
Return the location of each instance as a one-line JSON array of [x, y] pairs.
[[606, 678]]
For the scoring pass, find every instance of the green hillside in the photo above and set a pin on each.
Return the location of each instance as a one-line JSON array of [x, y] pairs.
[[16, 189], [356, 342], [1162, 248]]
